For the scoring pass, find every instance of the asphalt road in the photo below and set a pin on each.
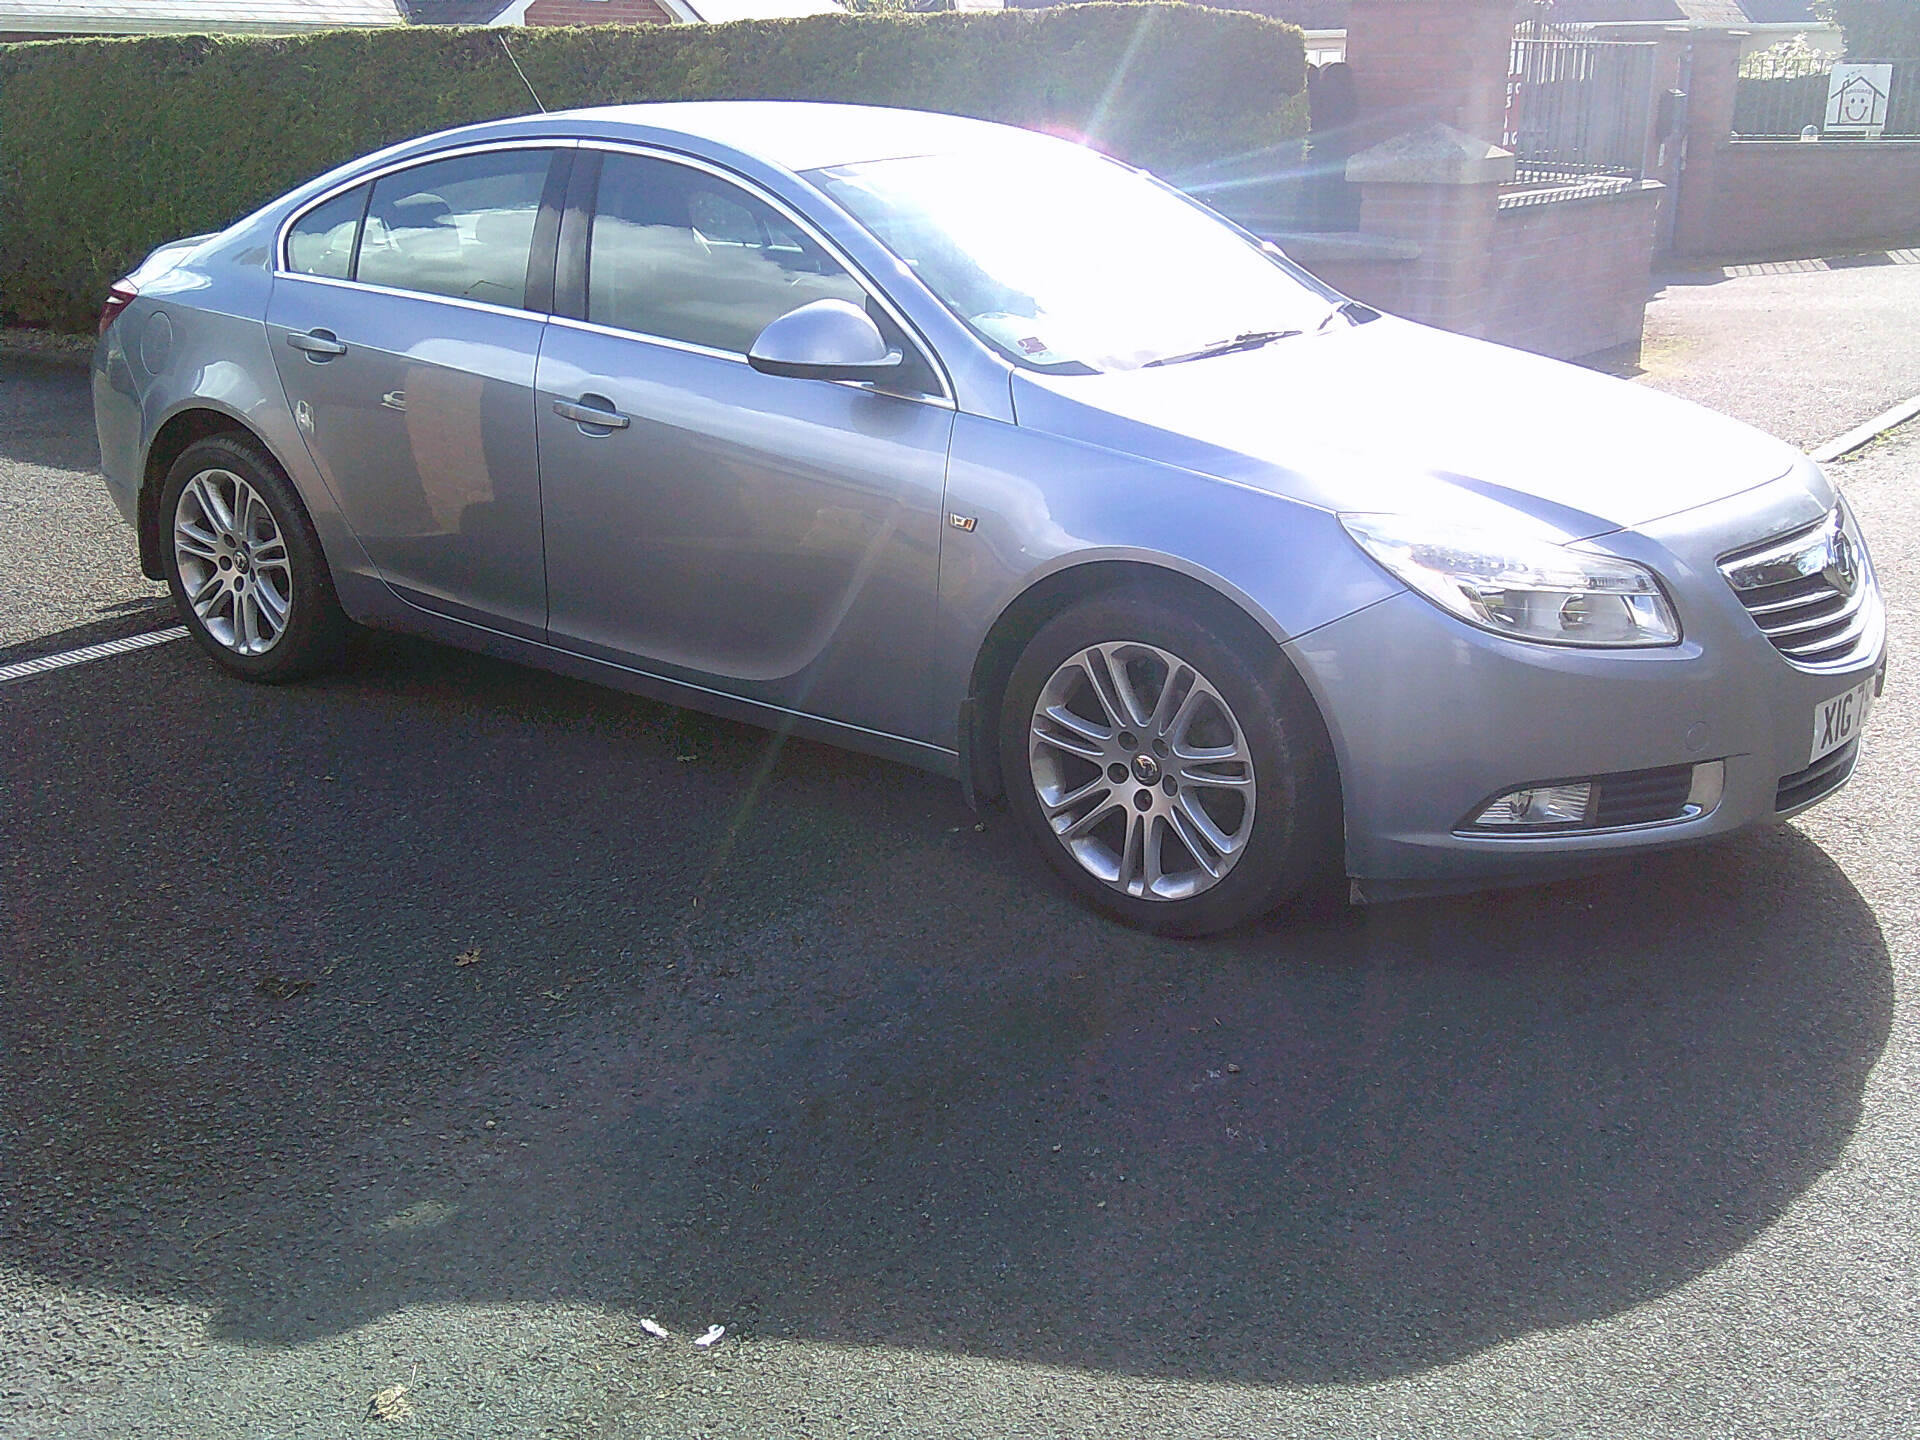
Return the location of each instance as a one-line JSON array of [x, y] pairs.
[[433, 1024]]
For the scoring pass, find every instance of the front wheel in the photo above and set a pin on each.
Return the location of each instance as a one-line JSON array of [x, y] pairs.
[[244, 564], [1177, 781]]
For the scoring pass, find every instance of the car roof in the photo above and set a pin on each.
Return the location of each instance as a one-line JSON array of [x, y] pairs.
[[795, 134]]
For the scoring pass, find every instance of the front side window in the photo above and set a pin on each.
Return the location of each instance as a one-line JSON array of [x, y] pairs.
[[461, 227], [321, 241], [686, 256], [1067, 262]]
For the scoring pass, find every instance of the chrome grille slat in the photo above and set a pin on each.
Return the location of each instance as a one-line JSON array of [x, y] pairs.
[[1828, 647], [1787, 585], [1849, 605], [1795, 554], [1813, 595]]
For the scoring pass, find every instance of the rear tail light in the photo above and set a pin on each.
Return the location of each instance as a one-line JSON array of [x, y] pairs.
[[119, 295]]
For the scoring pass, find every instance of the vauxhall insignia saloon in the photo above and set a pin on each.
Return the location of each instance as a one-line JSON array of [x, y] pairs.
[[973, 448]]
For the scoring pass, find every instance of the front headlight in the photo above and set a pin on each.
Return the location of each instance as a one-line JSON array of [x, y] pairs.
[[1520, 587]]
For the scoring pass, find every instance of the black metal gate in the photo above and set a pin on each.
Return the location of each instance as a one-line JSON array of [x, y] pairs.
[[1579, 112]]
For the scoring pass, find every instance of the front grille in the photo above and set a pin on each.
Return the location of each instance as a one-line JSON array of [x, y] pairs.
[[1642, 797], [1810, 592], [1820, 779]]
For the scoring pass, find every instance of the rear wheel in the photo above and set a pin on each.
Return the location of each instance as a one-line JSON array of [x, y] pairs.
[[1169, 776], [244, 564]]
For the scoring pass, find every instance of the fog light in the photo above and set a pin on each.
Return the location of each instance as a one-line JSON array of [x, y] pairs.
[[1538, 806]]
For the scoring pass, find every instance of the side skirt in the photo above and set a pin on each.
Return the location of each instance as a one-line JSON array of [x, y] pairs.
[[389, 611]]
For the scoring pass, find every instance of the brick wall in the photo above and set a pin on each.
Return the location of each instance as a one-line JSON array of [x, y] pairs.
[[1570, 278], [1451, 228], [1567, 278], [1766, 198], [598, 12], [1754, 199], [1416, 61]]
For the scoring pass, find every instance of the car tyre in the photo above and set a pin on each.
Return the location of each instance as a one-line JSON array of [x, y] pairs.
[[1133, 721], [245, 565]]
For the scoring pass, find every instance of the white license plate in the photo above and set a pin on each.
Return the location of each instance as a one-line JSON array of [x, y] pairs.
[[1838, 720]]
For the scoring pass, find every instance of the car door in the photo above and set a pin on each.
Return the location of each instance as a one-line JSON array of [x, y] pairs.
[[401, 326], [772, 537]]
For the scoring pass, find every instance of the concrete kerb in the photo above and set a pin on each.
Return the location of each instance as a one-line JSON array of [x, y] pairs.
[[1863, 434]]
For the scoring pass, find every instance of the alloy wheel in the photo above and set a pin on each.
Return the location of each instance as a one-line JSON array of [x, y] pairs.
[[1142, 772], [233, 562]]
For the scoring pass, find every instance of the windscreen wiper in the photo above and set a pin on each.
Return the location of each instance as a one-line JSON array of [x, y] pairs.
[[1251, 340]]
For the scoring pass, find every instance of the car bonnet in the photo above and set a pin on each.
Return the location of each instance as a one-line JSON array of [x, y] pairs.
[[1391, 416]]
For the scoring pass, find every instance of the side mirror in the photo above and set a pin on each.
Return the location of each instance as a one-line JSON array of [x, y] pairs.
[[825, 340]]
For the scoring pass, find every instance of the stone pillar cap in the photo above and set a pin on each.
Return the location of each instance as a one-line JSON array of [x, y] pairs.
[[1434, 154]]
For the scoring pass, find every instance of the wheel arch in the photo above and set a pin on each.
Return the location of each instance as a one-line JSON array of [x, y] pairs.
[[1051, 594], [196, 420]]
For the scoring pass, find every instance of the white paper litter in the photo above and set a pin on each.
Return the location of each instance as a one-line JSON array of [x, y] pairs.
[[714, 1332], [654, 1328]]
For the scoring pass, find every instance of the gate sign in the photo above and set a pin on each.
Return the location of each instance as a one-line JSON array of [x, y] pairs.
[[1857, 99]]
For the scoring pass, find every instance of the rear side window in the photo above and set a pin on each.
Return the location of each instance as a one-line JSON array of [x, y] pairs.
[[321, 241], [460, 227], [686, 256]]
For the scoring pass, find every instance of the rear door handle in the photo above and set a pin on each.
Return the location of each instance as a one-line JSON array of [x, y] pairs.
[[320, 345], [584, 414]]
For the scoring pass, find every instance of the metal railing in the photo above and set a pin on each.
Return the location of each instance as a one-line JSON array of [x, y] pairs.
[[1786, 97], [1579, 112]]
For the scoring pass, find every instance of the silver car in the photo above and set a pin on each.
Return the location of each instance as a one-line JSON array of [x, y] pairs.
[[973, 448]]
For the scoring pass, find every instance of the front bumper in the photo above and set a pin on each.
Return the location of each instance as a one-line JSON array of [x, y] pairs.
[[1430, 717]]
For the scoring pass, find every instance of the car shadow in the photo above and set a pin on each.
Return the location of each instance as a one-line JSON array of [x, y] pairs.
[[117, 620], [441, 981]]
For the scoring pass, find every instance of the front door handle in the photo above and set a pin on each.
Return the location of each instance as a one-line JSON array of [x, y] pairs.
[[320, 345], [584, 414]]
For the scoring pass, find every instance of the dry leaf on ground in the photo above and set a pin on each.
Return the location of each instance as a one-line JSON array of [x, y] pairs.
[[390, 1404]]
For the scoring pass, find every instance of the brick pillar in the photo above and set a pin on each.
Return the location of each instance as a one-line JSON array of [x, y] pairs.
[[1417, 62], [1664, 147], [1712, 70], [1435, 190]]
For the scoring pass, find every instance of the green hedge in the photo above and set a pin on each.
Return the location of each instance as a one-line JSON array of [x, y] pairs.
[[109, 147], [1877, 29]]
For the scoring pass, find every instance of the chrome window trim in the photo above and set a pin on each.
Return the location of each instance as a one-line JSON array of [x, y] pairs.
[[282, 266], [665, 342], [947, 397], [424, 295]]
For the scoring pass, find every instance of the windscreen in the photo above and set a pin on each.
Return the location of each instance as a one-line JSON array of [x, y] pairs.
[[1066, 261]]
